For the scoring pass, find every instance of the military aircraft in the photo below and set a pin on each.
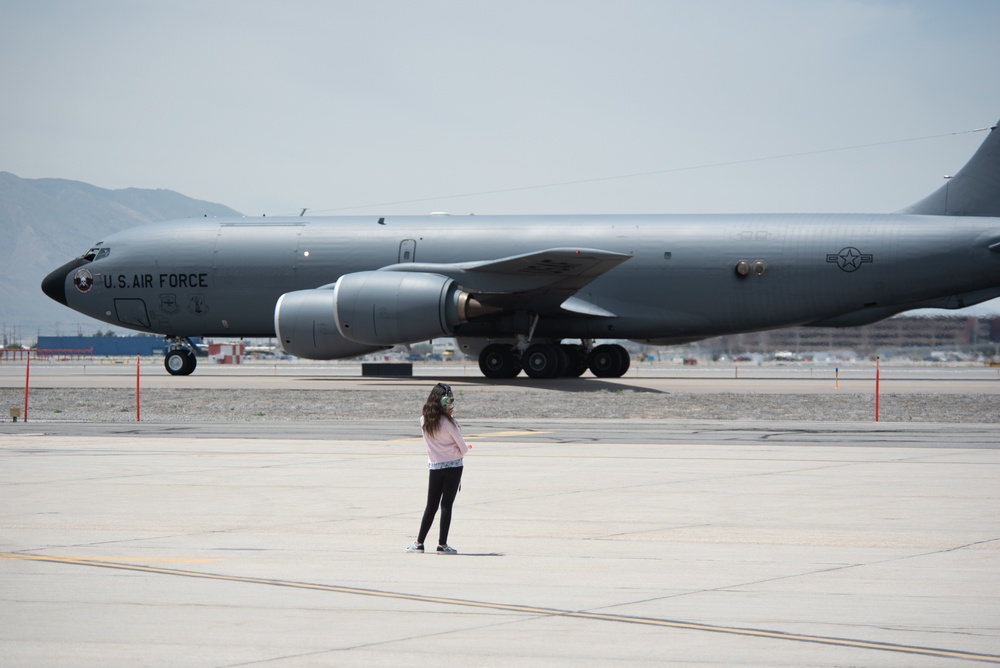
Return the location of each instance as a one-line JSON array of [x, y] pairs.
[[538, 293]]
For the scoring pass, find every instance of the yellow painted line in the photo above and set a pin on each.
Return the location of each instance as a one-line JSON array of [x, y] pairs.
[[151, 560], [533, 610]]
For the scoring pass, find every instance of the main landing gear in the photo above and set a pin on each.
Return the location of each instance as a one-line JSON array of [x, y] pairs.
[[179, 358], [551, 360]]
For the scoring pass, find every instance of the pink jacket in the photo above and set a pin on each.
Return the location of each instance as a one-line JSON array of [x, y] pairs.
[[447, 444]]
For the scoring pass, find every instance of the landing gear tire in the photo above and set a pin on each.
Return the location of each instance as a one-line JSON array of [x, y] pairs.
[[577, 356], [542, 360], [180, 362], [609, 361], [498, 361]]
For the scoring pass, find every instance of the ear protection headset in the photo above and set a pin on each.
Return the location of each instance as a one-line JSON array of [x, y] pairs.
[[448, 399]]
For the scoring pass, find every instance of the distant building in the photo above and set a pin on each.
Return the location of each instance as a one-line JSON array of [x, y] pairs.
[[102, 346], [901, 333]]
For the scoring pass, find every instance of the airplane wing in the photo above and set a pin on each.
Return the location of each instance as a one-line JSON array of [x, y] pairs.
[[542, 281]]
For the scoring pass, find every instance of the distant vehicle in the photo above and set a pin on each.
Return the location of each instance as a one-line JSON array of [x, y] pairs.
[[537, 292]]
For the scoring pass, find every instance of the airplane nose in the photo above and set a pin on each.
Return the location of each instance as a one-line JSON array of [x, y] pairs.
[[54, 285]]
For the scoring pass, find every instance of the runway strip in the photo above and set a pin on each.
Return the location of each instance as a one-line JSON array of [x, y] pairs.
[[532, 610]]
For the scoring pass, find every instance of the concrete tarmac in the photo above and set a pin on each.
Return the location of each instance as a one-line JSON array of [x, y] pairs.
[[582, 542]]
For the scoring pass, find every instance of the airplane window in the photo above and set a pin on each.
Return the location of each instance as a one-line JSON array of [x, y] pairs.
[[96, 253]]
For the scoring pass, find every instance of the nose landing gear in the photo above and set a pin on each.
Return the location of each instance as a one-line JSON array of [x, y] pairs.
[[179, 358]]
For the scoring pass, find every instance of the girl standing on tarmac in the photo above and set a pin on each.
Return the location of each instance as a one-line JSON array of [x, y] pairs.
[[445, 450]]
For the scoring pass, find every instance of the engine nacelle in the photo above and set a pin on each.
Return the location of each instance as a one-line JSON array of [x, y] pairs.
[[306, 327], [390, 307]]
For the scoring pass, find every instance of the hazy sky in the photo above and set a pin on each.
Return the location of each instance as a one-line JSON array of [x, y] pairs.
[[351, 107]]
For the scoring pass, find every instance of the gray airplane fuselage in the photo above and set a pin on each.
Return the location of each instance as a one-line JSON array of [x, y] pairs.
[[682, 279]]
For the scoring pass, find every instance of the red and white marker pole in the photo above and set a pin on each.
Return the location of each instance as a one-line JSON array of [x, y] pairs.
[[136, 388], [27, 376], [876, 388]]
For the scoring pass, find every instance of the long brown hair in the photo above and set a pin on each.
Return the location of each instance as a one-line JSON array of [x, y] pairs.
[[434, 408]]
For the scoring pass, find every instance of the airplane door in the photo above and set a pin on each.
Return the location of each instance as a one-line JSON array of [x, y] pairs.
[[407, 250]]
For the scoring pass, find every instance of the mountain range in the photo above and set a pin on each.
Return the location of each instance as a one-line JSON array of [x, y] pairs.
[[45, 223]]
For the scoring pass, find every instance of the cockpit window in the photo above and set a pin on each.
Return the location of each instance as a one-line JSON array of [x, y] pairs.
[[96, 253]]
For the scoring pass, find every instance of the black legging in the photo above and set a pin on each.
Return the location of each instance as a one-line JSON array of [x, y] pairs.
[[442, 488]]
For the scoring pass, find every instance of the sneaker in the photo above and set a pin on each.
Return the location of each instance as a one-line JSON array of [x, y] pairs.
[[446, 549], [416, 547]]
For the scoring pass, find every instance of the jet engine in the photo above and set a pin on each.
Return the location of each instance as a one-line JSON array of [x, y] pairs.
[[390, 307], [371, 310], [306, 327]]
